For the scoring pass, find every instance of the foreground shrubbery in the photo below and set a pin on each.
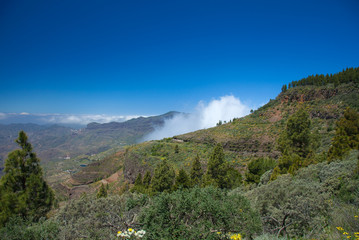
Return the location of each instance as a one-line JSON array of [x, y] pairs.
[[310, 203], [199, 213], [315, 203], [18, 229]]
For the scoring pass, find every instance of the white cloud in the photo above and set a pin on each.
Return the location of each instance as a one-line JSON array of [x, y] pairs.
[[204, 116], [85, 119], [68, 119]]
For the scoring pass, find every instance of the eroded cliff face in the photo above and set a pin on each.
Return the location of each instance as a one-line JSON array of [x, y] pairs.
[[310, 95]]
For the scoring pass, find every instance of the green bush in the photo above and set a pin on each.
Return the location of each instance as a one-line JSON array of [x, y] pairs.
[[198, 213], [290, 207], [257, 167], [100, 218], [302, 205], [18, 229]]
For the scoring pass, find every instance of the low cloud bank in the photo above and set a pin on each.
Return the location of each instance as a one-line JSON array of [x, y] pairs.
[[86, 119], [204, 116], [62, 119]]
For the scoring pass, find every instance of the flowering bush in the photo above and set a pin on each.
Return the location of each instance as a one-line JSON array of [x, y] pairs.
[[131, 234], [348, 234], [236, 236]]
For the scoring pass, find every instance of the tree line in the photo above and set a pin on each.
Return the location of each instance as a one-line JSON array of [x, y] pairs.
[[346, 76], [219, 173]]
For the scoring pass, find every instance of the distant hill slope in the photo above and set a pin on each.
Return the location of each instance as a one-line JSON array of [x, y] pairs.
[[243, 139], [55, 143]]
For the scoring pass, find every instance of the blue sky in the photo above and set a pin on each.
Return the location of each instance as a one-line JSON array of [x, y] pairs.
[[150, 57]]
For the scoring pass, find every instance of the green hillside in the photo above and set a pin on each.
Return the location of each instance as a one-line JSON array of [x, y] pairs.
[[253, 136]]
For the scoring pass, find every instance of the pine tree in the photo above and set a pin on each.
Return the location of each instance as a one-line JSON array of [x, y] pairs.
[[295, 143], [182, 180], [257, 167], [147, 179], [219, 173], [284, 88], [23, 189], [138, 181], [102, 192], [163, 177], [138, 187], [196, 172], [176, 149], [215, 168], [346, 135], [297, 137]]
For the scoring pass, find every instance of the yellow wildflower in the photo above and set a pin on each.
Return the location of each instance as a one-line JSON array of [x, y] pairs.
[[356, 216], [345, 233], [340, 228], [130, 229], [119, 232], [236, 236]]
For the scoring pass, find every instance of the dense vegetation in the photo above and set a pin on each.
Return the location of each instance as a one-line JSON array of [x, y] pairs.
[[290, 170], [346, 76]]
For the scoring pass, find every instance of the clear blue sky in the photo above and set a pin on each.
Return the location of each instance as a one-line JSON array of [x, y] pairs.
[[150, 57]]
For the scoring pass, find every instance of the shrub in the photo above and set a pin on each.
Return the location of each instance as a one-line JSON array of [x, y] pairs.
[[198, 213], [18, 229], [302, 205], [257, 167], [290, 207], [99, 218]]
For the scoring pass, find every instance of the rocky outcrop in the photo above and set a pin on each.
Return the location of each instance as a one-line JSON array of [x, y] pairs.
[[310, 95]]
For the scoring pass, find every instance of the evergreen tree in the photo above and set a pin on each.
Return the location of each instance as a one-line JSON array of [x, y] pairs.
[[163, 177], [297, 137], [295, 143], [196, 172], [182, 180], [176, 149], [346, 135], [23, 189], [138, 187], [215, 168], [284, 88], [147, 179], [257, 167], [102, 192], [138, 181], [219, 173]]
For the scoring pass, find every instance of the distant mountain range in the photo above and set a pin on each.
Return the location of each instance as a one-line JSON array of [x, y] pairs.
[[55, 142], [67, 120]]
